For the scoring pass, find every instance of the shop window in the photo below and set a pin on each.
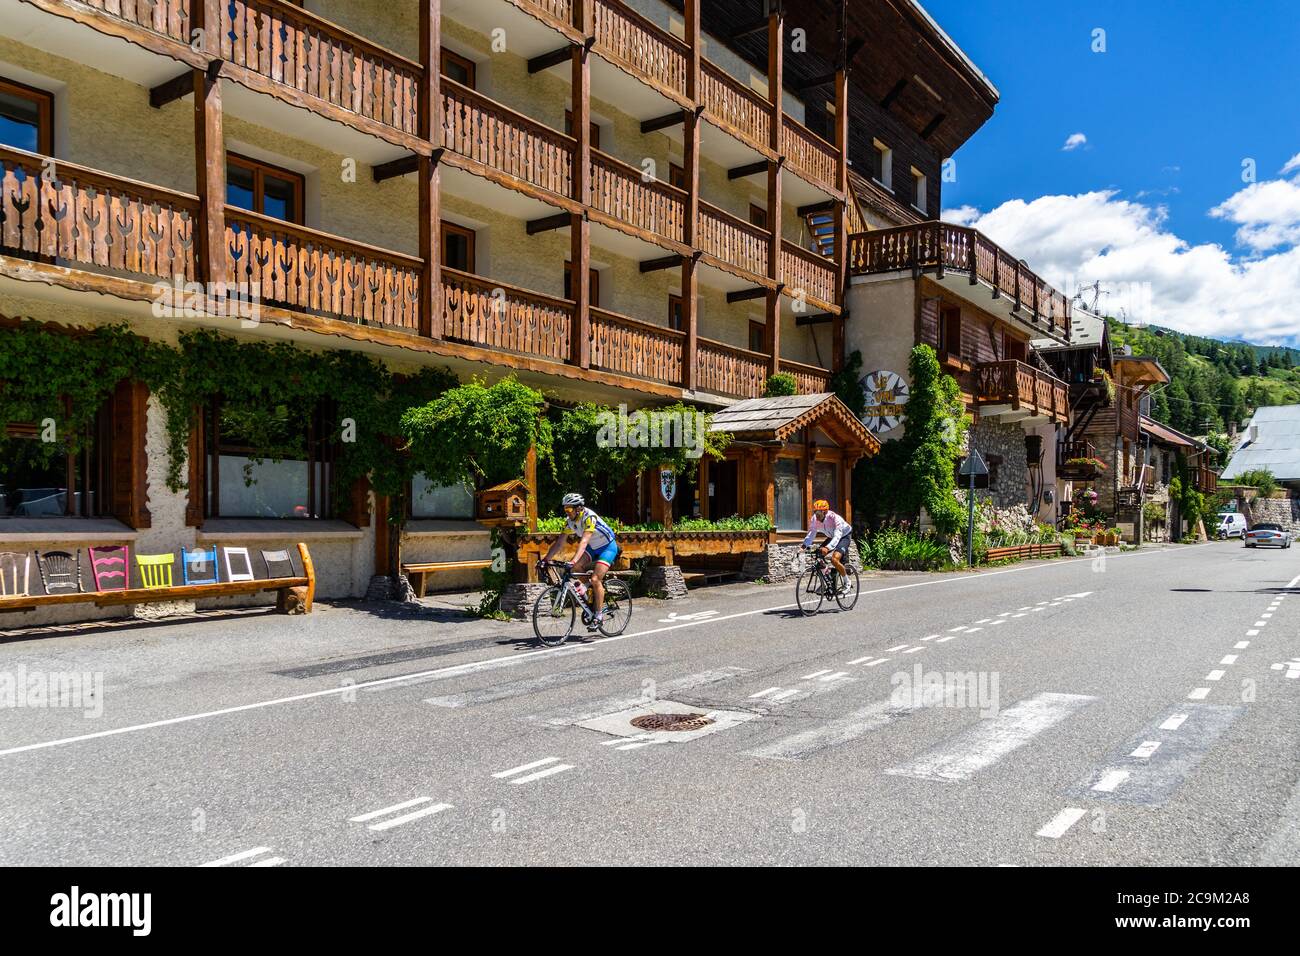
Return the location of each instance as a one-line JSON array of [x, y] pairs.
[[26, 118], [263, 188], [458, 247], [452, 502], [459, 68]]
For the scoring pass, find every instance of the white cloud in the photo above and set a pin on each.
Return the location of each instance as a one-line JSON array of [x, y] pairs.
[[1152, 274], [1292, 164], [1074, 141], [1268, 214]]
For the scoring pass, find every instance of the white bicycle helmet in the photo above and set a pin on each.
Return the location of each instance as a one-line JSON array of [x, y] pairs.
[[573, 500]]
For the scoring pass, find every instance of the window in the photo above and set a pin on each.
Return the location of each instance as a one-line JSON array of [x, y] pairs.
[[458, 247], [918, 189], [593, 279], [461, 69], [593, 131], [757, 216], [1014, 348], [676, 313], [882, 163], [826, 482], [26, 118], [676, 176], [788, 491], [757, 336], [244, 480], [950, 330], [261, 187], [453, 502]]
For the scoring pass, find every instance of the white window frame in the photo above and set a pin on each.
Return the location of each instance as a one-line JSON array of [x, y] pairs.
[[886, 164]]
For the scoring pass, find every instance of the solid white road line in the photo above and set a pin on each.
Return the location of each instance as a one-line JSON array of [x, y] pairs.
[[407, 818], [1110, 780], [1215, 675], [1199, 694], [1174, 722], [508, 660], [558, 768], [1056, 827], [269, 861], [1229, 659], [988, 741], [1146, 749], [387, 810], [528, 766], [236, 857]]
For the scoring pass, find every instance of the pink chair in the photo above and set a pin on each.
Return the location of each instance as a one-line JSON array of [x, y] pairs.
[[110, 567]]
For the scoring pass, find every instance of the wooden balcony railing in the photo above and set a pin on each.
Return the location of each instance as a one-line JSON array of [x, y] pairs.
[[169, 17], [91, 219], [1021, 386], [743, 112], [629, 347], [808, 154], [810, 379], [639, 45], [479, 311], [624, 193], [806, 271], [727, 370], [321, 274], [561, 10], [1075, 450], [940, 245], [313, 56], [483, 130], [1206, 480], [733, 240]]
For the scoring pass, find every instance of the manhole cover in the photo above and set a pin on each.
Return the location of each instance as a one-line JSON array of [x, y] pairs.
[[671, 722]]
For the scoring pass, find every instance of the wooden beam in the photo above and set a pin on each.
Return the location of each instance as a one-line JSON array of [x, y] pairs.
[[548, 223], [545, 61], [210, 175], [753, 26], [752, 169], [933, 125], [656, 265], [657, 123], [580, 225], [691, 167], [744, 295], [430, 176], [821, 318], [826, 79], [841, 211], [173, 89], [775, 89], [893, 94], [394, 168], [827, 205]]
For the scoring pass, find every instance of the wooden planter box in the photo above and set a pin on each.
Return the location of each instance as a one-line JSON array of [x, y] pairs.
[[1018, 551], [664, 547]]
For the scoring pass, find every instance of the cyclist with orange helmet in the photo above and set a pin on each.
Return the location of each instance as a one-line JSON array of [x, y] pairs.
[[839, 533]]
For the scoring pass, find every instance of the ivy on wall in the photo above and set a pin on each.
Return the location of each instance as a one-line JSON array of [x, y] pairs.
[[847, 384]]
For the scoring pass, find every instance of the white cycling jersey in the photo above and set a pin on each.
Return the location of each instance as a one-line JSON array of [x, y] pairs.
[[833, 526]]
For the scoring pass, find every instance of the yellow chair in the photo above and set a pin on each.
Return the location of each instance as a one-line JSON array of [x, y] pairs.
[[155, 570]]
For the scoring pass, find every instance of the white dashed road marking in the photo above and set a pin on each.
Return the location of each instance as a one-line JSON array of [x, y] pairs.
[[1057, 826], [1199, 694], [1229, 659], [528, 766], [248, 854], [1215, 675], [424, 811], [1174, 722], [1147, 748], [1110, 780]]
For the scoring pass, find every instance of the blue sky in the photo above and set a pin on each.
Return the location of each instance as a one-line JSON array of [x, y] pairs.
[[1184, 92]]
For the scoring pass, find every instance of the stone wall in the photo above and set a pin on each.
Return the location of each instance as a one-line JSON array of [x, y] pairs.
[[779, 563], [1283, 511], [1007, 442]]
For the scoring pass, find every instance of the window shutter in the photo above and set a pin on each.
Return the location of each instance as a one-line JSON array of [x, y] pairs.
[[129, 485]]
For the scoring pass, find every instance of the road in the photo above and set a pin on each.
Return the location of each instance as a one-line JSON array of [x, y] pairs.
[[1139, 710]]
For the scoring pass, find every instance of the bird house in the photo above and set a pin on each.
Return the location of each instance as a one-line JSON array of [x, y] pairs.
[[503, 504]]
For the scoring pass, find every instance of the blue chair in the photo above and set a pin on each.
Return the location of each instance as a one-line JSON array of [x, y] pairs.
[[196, 564]]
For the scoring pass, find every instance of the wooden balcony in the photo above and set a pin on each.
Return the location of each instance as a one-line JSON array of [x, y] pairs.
[[94, 221], [732, 241], [630, 347], [319, 60], [640, 46], [171, 18], [1024, 390], [727, 370], [623, 193], [941, 247], [1076, 450], [479, 311], [809, 379], [803, 270], [808, 154], [734, 107], [313, 272], [1205, 480]]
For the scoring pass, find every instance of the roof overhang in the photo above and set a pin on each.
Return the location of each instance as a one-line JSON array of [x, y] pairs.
[[1141, 370]]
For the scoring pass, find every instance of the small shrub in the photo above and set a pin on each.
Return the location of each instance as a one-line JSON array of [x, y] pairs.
[[901, 549], [782, 383]]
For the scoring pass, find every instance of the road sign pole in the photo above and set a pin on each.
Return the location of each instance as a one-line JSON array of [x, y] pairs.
[[970, 522]]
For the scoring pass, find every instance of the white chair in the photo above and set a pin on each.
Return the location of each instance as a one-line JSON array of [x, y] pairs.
[[9, 574], [246, 572]]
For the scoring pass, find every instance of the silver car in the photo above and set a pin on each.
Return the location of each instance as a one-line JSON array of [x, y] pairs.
[[1268, 534]]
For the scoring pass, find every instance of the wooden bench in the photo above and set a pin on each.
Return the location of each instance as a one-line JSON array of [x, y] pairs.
[[419, 574], [305, 586]]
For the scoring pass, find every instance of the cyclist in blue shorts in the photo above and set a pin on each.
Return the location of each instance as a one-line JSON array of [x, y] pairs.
[[596, 547]]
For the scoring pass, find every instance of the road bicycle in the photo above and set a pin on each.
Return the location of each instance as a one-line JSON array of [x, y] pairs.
[[821, 581], [556, 611]]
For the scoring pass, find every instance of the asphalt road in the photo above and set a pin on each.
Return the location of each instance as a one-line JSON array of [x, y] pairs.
[[1051, 713]]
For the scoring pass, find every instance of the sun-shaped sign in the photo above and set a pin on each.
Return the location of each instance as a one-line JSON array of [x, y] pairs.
[[887, 395]]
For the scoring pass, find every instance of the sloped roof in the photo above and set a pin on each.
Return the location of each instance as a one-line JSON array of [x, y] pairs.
[[779, 417], [1277, 447], [1086, 330], [1170, 436]]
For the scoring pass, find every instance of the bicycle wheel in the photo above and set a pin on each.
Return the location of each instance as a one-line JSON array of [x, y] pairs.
[[810, 591], [618, 607], [554, 615], [846, 593]]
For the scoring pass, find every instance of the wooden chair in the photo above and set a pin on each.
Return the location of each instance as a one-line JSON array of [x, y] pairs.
[[10, 585], [60, 571], [110, 567], [241, 555], [155, 570], [278, 558], [194, 566]]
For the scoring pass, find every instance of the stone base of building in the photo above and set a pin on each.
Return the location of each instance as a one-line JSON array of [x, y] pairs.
[[517, 599], [783, 562], [665, 581]]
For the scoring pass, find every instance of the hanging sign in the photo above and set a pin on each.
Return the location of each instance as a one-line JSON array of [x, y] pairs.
[[668, 484]]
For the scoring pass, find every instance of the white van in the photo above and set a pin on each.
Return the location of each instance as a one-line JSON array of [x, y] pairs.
[[1231, 525]]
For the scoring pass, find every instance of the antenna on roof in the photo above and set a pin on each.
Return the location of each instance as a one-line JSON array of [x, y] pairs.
[[1097, 293]]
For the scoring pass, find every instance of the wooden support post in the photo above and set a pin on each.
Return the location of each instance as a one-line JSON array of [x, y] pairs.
[[691, 166], [430, 128], [580, 226], [210, 177], [703, 485], [775, 88], [842, 184]]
